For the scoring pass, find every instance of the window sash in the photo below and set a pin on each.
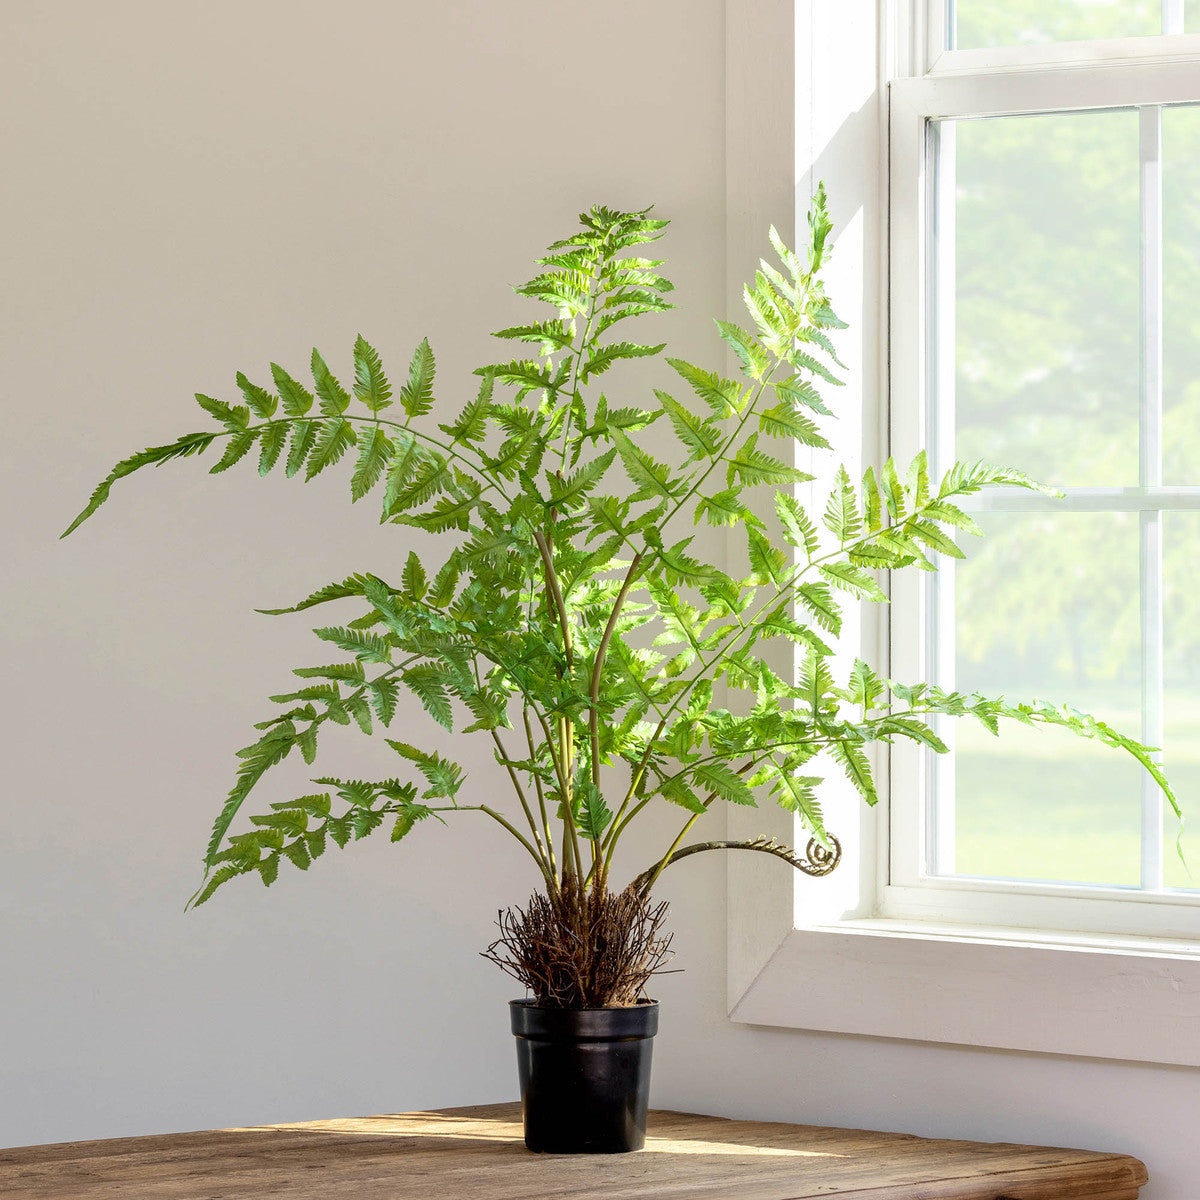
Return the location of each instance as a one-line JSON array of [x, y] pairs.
[[912, 888], [933, 26]]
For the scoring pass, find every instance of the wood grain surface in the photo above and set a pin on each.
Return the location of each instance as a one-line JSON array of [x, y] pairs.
[[478, 1154]]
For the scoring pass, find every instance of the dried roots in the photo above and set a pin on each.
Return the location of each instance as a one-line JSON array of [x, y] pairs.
[[581, 948]]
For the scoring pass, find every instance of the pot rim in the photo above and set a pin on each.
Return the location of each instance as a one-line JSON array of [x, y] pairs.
[[527, 1002], [632, 1022]]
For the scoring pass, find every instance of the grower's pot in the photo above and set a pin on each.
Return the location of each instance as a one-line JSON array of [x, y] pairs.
[[585, 1076]]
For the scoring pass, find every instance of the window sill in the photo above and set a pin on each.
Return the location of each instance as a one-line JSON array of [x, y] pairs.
[[1059, 993]]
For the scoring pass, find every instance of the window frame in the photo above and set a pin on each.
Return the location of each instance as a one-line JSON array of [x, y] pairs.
[[816, 954], [912, 891]]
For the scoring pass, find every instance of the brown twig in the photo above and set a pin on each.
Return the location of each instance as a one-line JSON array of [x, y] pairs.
[[583, 948]]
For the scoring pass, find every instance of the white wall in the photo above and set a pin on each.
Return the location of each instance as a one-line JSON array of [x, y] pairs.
[[187, 192]]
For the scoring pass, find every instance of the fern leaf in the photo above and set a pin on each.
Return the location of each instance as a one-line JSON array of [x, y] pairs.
[[858, 769], [375, 450], [934, 538], [297, 399], [568, 493], [603, 357], [334, 398], [234, 419], [724, 396], [553, 335], [752, 467], [353, 585], [594, 815], [416, 396], [724, 508], [767, 563], [336, 437], [797, 390], [261, 403], [818, 600], [271, 445], [797, 793], [413, 577], [383, 693], [471, 424], [366, 647], [371, 385], [676, 790], [842, 517], [651, 478], [189, 444], [784, 421], [918, 480], [256, 761], [950, 514], [893, 491], [752, 356], [444, 777], [304, 437], [701, 438], [237, 448], [428, 684], [724, 781], [854, 580], [798, 526]]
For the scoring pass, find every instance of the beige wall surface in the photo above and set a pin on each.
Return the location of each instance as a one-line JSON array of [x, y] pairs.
[[191, 190]]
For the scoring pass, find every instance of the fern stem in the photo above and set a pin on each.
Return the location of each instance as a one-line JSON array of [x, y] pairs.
[[570, 845], [720, 455], [575, 397], [485, 476], [651, 877], [664, 862], [541, 795], [556, 596], [598, 667], [512, 774], [618, 828], [491, 812], [644, 884], [634, 781]]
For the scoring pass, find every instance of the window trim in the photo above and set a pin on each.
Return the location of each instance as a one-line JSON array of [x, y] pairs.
[[806, 954]]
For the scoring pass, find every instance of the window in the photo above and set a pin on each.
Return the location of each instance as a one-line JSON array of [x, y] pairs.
[[1017, 233], [1045, 261]]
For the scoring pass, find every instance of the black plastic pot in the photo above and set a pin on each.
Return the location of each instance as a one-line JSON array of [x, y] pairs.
[[585, 1076]]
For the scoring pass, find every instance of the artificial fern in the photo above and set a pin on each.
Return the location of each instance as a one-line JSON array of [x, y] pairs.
[[573, 623]]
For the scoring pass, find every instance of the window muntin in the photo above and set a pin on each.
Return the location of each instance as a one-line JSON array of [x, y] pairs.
[[1181, 293], [1181, 678]]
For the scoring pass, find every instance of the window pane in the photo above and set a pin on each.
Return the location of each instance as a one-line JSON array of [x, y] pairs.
[[1181, 640], [1046, 310], [1181, 287], [1015, 22], [1047, 607]]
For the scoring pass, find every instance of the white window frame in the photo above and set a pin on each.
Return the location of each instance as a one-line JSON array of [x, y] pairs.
[[858, 952], [913, 890]]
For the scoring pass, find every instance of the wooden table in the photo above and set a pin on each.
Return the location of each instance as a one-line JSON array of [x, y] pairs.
[[477, 1154]]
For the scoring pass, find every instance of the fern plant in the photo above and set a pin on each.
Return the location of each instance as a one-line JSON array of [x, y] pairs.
[[573, 624]]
